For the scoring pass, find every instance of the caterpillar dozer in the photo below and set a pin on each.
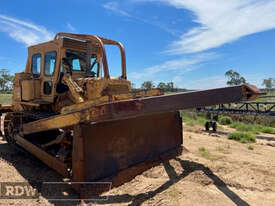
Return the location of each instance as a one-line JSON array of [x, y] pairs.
[[68, 112]]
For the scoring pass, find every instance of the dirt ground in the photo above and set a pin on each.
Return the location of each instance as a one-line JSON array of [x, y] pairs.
[[230, 174]]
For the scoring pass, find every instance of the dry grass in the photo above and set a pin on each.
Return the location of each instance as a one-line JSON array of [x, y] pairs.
[[5, 98]]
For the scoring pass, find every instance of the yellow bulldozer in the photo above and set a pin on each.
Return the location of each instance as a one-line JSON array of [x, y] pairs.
[[68, 112]]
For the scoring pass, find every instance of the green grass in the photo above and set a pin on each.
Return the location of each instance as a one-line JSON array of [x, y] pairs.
[[192, 119], [250, 147], [243, 137], [239, 126], [220, 149], [272, 93], [253, 128], [5, 98], [224, 149], [206, 154], [268, 121], [268, 130], [173, 193]]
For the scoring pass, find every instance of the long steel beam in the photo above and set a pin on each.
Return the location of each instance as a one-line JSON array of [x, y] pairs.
[[145, 106]]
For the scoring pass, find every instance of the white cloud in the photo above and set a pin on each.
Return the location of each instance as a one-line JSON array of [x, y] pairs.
[[216, 81], [114, 7], [181, 65], [71, 28], [205, 83], [177, 80], [220, 22], [23, 31], [216, 23]]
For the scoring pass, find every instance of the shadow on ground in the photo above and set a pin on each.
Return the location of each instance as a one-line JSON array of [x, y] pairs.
[[189, 167], [34, 170]]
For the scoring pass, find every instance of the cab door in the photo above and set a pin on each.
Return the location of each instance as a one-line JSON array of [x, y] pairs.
[[49, 75]]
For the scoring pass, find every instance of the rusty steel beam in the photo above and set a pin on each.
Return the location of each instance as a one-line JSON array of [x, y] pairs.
[[145, 106]]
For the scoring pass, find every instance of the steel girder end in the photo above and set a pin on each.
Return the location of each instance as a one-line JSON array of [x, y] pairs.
[[251, 92]]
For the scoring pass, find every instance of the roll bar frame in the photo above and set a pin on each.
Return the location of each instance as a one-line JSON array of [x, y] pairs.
[[101, 42]]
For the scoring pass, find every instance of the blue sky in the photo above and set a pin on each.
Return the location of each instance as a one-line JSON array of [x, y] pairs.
[[190, 42]]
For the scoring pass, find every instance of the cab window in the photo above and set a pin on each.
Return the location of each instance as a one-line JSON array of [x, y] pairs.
[[50, 59], [76, 65], [77, 60], [93, 71], [36, 65]]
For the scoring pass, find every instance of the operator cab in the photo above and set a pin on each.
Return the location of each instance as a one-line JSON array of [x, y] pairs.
[[48, 62], [83, 57]]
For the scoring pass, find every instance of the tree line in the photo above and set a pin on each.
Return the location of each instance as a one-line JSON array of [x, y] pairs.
[[234, 78], [166, 87]]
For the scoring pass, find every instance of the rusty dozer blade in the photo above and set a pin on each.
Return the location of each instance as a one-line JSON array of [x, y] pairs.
[[145, 106], [117, 151]]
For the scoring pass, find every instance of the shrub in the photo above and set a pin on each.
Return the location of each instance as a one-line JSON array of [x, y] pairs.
[[239, 126], [250, 147], [253, 128], [252, 119], [242, 137], [225, 120], [268, 130]]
